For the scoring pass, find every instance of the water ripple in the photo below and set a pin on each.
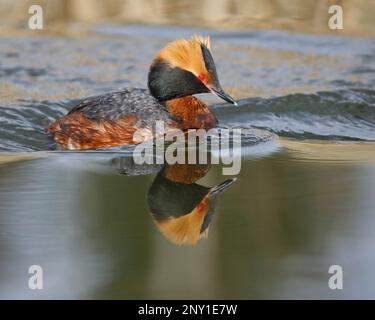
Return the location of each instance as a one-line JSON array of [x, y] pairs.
[[335, 115]]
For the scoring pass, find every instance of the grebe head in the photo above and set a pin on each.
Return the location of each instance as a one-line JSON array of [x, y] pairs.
[[185, 217], [183, 68]]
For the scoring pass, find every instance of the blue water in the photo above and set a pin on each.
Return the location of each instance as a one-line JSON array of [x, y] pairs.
[[303, 200]]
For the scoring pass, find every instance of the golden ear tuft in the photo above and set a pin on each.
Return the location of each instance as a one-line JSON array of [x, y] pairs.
[[202, 40], [186, 54]]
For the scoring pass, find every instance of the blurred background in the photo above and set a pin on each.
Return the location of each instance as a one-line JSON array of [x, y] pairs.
[[293, 15]]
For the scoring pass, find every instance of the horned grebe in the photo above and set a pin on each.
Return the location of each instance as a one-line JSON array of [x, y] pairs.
[[181, 69]]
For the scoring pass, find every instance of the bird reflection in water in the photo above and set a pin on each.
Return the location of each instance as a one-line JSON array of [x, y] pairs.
[[181, 208]]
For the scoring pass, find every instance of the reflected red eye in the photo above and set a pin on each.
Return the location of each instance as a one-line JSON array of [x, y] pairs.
[[202, 77], [201, 206]]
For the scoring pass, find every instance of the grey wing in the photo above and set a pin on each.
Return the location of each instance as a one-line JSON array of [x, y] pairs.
[[116, 105]]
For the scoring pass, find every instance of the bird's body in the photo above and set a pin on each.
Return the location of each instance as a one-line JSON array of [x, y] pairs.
[[117, 105], [112, 119], [109, 120]]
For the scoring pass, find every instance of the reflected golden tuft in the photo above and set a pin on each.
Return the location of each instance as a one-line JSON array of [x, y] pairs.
[[184, 230]]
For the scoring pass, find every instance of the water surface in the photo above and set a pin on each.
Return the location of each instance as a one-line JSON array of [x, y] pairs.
[[303, 201]]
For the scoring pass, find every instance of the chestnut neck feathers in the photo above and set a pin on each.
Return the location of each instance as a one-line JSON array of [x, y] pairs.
[[176, 70]]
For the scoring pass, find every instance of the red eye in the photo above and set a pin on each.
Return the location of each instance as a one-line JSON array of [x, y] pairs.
[[201, 206], [202, 77]]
